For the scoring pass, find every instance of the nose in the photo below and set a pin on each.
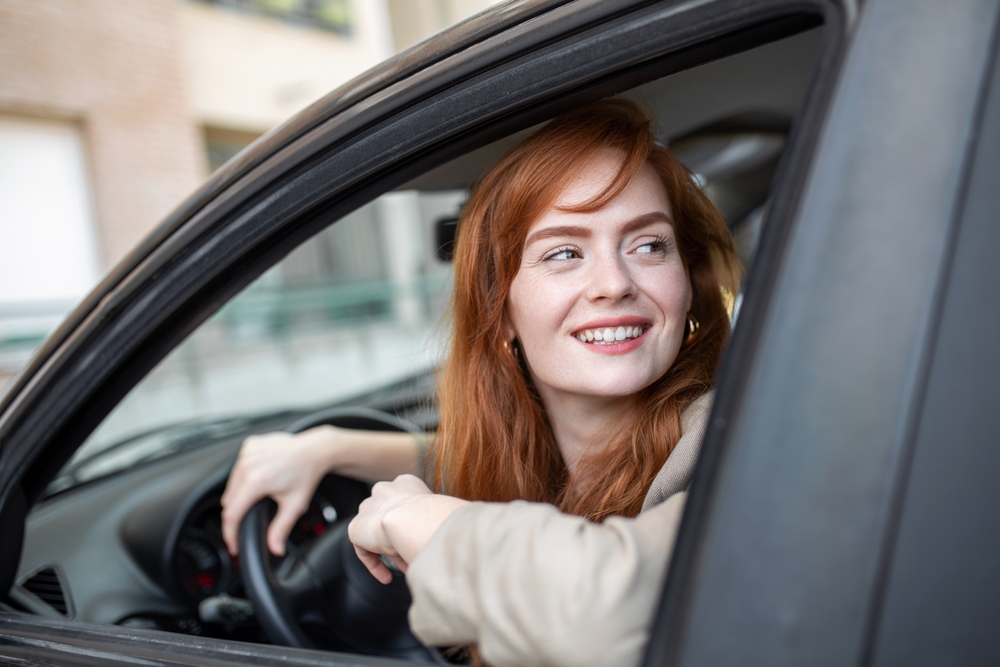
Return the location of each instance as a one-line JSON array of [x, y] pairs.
[[610, 279]]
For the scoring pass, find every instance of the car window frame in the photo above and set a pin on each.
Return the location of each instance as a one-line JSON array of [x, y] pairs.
[[50, 410]]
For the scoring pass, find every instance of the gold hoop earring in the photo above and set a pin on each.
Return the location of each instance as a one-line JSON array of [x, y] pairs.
[[692, 325], [510, 346]]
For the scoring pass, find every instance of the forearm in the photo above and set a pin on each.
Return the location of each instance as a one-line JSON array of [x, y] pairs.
[[288, 468], [411, 525], [371, 456], [532, 586]]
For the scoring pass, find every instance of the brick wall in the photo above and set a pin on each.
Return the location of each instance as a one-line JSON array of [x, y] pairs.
[[113, 66]]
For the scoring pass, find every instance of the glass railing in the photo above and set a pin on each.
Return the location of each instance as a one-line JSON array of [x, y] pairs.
[[276, 309]]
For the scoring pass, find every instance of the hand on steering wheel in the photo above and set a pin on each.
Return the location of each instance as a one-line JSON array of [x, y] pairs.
[[286, 467], [325, 597]]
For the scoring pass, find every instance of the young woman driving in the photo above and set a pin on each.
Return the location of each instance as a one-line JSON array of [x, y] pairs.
[[588, 317]]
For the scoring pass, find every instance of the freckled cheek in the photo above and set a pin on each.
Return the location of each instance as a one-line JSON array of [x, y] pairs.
[[538, 310], [670, 292], [676, 302]]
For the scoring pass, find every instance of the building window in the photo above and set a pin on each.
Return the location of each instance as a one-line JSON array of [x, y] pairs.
[[332, 15], [222, 144], [48, 252]]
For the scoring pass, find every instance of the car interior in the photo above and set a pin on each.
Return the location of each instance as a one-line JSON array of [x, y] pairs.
[[346, 329]]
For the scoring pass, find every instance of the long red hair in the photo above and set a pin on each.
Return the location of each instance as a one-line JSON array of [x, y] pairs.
[[494, 441]]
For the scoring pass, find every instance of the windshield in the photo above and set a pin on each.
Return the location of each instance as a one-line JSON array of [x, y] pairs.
[[356, 308], [155, 444]]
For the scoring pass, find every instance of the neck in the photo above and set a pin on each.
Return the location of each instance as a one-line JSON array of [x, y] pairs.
[[576, 420]]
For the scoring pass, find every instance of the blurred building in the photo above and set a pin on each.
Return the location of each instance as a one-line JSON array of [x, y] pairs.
[[112, 112]]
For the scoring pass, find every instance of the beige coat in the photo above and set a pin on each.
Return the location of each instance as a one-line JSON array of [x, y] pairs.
[[533, 586]]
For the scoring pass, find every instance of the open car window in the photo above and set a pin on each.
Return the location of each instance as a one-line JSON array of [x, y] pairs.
[[356, 308], [359, 307]]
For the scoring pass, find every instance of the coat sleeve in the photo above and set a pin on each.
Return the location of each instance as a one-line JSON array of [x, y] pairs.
[[533, 586]]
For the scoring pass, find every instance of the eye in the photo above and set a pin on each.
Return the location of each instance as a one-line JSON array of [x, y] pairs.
[[656, 246], [564, 253]]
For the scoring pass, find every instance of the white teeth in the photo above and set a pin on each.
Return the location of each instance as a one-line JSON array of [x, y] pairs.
[[609, 335]]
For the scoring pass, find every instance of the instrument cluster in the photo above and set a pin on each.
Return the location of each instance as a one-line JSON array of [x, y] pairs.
[[203, 566]]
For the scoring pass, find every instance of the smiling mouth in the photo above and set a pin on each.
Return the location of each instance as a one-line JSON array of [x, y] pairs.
[[610, 335]]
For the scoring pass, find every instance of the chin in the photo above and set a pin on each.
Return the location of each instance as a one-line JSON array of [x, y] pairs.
[[619, 388]]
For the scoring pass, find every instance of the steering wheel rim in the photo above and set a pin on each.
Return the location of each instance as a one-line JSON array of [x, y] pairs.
[[327, 581]]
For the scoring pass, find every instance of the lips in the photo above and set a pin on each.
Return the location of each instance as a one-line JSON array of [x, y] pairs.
[[610, 335]]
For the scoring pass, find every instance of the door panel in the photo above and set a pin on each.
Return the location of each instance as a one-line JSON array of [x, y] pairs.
[[30, 641], [942, 596]]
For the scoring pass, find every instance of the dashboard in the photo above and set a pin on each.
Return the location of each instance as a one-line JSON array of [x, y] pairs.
[[144, 547]]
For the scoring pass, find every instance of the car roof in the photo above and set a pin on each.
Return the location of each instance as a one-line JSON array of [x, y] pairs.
[[755, 90]]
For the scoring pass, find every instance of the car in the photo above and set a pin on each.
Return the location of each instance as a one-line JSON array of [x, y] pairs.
[[845, 507]]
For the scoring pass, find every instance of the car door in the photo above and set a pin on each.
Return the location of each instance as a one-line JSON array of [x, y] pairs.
[[507, 71], [845, 508]]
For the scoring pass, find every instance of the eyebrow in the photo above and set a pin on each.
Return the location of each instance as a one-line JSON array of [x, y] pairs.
[[584, 232]]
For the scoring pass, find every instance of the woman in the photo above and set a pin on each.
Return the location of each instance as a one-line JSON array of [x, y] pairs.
[[589, 315]]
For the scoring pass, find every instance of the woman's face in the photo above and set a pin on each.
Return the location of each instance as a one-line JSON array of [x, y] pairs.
[[599, 302]]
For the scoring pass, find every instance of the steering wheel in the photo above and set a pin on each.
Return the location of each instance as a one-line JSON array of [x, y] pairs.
[[324, 597]]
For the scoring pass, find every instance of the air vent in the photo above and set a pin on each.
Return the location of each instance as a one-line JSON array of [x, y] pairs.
[[47, 586]]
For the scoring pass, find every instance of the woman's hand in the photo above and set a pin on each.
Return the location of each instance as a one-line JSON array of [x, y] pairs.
[[286, 467], [397, 521]]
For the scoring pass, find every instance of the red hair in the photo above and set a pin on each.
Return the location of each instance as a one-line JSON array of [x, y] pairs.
[[494, 441]]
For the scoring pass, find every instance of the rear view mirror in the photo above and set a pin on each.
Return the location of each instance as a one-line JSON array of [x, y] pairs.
[[444, 237]]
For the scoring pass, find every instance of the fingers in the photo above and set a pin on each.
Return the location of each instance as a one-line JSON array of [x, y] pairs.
[[264, 468], [374, 565], [238, 498], [411, 484], [234, 508], [400, 563], [281, 526], [366, 530]]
